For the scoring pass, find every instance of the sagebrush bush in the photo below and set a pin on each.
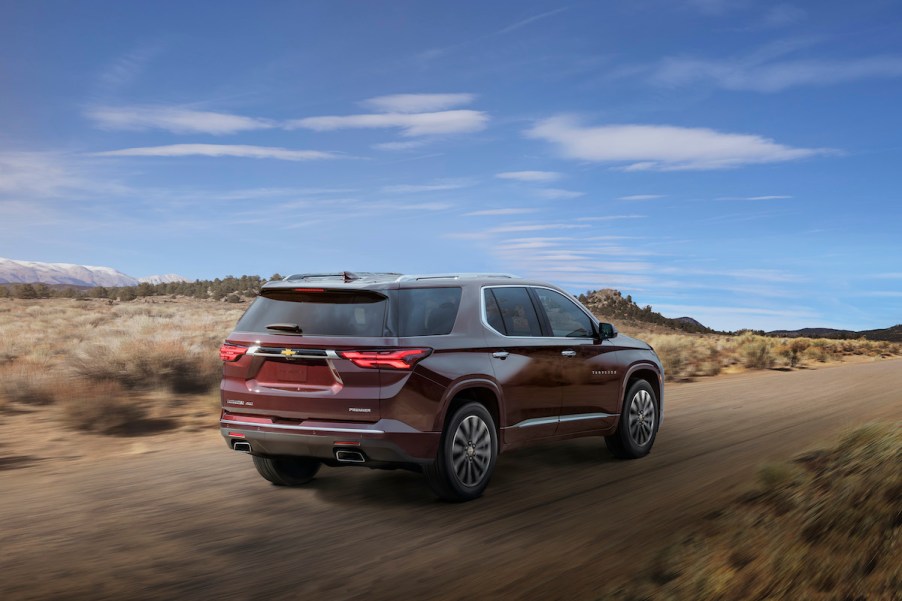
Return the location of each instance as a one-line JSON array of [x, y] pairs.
[[756, 352], [29, 382], [825, 526], [101, 407]]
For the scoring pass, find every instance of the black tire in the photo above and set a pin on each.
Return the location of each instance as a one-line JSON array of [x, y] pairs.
[[287, 471], [466, 455], [638, 425]]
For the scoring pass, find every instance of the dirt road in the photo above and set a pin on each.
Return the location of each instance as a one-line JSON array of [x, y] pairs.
[[193, 520]]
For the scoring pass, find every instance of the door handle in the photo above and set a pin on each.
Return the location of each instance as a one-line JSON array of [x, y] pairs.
[[500, 354], [568, 353]]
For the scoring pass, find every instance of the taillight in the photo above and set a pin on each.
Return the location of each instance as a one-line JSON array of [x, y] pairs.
[[400, 359], [231, 352]]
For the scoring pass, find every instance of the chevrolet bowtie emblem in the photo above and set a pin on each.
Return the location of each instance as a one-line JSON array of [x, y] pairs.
[[289, 353]]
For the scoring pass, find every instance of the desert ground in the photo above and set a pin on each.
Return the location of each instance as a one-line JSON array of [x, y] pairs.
[[168, 512]]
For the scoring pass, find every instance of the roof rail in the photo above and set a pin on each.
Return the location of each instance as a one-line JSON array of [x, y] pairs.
[[455, 276]]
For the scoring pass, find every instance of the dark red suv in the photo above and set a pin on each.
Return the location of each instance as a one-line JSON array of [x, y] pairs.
[[434, 373]]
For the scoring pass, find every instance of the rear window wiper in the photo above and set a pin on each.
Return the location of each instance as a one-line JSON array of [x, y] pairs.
[[285, 327]]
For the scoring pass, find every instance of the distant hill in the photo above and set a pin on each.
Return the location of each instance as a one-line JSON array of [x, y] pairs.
[[610, 305], [69, 274], [892, 334]]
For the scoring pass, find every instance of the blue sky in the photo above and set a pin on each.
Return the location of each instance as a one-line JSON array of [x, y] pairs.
[[731, 160]]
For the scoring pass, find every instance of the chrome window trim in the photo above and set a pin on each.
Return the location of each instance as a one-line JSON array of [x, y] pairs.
[[484, 318]]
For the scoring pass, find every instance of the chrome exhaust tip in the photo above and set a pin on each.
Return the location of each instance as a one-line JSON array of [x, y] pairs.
[[349, 456], [241, 446]]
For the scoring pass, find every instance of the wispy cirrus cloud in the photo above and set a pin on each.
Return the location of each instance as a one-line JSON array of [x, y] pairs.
[[492, 212], [511, 228], [413, 114], [765, 197], [406, 145], [558, 193], [174, 119], [417, 103], [222, 150], [663, 147], [528, 20], [640, 197], [410, 124], [764, 72], [436, 186], [530, 176], [38, 175]]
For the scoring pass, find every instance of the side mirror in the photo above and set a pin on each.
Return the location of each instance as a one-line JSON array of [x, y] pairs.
[[608, 331]]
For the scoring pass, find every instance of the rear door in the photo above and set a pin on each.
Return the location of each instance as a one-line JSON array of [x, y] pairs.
[[526, 363]]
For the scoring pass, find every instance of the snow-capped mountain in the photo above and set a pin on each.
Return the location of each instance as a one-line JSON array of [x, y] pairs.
[[167, 278], [33, 272]]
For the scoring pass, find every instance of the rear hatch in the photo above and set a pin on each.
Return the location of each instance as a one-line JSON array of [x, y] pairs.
[[312, 353]]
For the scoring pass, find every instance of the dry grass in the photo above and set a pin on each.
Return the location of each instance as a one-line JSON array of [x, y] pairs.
[[98, 363], [160, 346], [687, 356], [824, 527]]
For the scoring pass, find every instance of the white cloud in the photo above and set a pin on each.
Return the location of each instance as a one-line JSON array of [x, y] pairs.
[[516, 228], [640, 197], [407, 145], [530, 176], [222, 150], [406, 206], [174, 119], [28, 175], [411, 124], [558, 193], [527, 21], [437, 186], [749, 312], [762, 75], [489, 212], [610, 218], [663, 147], [768, 197], [417, 103]]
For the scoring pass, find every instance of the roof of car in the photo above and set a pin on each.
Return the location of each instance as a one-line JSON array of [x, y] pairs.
[[348, 279]]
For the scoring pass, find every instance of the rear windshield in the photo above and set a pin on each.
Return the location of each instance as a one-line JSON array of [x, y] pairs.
[[328, 313]]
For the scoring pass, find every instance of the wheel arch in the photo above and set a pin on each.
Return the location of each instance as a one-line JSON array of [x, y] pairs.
[[481, 391], [651, 374]]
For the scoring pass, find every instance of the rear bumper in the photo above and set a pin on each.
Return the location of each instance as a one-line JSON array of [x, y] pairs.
[[387, 441]]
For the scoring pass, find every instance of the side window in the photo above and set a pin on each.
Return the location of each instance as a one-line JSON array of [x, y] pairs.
[[493, 313], [428, 311], [565, 317], [517, 312]]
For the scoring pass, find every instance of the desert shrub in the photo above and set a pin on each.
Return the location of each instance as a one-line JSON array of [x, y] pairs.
[[792, 350], [29, 382], [148, 362], [825, 526], [673, 352], [756, 352], [101, 407], [820, 351]]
